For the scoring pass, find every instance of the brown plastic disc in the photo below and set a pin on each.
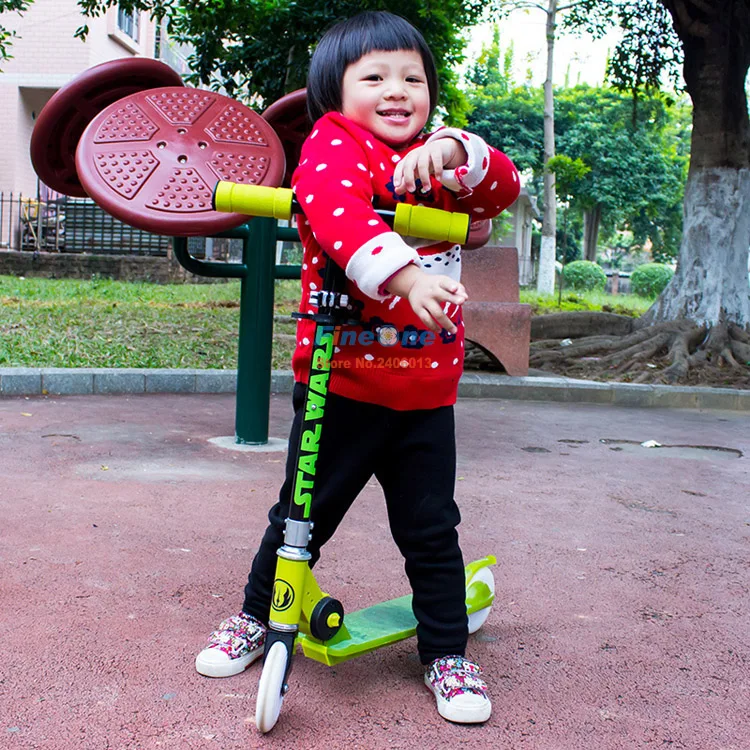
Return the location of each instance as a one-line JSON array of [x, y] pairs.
[[153, 158], [289, 119], [63, 119]]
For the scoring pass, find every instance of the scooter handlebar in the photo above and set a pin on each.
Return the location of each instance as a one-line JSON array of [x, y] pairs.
[[431, 223], [278, 203], [253, 200]]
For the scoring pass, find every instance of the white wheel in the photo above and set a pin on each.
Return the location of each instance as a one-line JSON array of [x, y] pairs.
[[270, 695], [476, 619]]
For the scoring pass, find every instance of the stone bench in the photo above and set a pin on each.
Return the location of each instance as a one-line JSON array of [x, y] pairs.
[[495, 320]]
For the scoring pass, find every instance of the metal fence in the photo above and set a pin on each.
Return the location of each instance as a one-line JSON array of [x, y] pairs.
[[70, 225]]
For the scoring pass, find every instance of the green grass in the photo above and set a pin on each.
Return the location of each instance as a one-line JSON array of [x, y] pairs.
[[103, 323], [572, 301]]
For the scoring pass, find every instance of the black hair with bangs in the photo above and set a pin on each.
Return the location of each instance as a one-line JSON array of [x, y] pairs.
[[348, 41]]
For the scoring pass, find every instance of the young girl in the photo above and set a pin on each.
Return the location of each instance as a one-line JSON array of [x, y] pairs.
[[372, 87]]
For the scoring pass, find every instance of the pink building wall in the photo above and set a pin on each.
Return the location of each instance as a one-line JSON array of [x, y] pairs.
[[46, 56]]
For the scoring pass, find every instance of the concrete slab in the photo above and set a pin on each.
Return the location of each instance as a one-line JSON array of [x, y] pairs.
[[170, 381], [120, 381], [20, 381], [63, 381], [216, 381], [622, 580]]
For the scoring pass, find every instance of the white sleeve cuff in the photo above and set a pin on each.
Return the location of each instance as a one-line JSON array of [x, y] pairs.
[[466, 177], [377, 260]]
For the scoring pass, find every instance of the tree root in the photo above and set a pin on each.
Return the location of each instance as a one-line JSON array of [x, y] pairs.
[[739, 343], [576, 324], [671, 352]]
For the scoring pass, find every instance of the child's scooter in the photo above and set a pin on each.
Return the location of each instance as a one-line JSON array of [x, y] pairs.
[[300, 611]]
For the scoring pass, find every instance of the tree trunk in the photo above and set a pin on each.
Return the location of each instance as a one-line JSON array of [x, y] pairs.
[[711, 282], [591, 220], [546, 278], [710, 285]]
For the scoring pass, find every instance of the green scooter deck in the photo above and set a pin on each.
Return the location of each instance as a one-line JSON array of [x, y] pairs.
[[385, 623], [364, 630]]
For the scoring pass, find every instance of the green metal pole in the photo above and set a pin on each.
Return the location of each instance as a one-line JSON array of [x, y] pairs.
[[255, 333]]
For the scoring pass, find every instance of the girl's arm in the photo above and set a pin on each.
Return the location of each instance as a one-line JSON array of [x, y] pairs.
[[429, 295], [483, 178], [334, 187]]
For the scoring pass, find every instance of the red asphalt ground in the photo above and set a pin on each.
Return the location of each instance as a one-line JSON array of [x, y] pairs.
[[621, 618]]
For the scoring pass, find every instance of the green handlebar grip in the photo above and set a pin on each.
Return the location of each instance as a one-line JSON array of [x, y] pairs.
[[278, 203], [431, 223], [253, 200]]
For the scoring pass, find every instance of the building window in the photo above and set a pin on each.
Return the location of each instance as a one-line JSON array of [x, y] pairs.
[[170, 52], [129, 23]]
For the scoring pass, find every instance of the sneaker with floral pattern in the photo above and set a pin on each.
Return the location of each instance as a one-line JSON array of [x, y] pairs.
[[460, 692], [232, 647]]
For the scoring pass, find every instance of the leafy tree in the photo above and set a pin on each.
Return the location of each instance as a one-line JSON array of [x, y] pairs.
[[512, 122], [703, 315], [637, 169], [659, 222], [712, 38], [485, 74], [259, 50], [710, 287], [553, 11], [6, 36], [611, 170]]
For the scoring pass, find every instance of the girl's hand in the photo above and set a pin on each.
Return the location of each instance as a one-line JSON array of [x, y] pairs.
[[427, 160], [429, 296]]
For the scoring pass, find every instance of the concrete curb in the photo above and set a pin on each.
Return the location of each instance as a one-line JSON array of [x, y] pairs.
[[22, 381]]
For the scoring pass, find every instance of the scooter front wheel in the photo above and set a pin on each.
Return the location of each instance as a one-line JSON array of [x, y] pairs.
[[271, 688], [476, 619]]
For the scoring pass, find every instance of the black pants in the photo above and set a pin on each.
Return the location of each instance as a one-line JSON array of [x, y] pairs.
[[413, 456]]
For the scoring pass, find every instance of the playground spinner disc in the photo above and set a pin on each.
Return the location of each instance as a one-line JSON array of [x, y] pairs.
[[153, 158], [289, 119], [60, 124]]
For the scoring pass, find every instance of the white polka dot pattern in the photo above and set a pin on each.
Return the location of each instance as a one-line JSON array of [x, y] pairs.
[[333, 186]]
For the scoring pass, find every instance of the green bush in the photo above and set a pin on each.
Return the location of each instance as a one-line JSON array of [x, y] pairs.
[[650, 279], [583, 274]]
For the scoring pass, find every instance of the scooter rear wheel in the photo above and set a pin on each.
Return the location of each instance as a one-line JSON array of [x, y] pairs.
[[477, 619], [271, 688]]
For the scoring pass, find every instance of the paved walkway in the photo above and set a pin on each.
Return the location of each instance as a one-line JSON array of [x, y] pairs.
[[538, 386], [621, 618]]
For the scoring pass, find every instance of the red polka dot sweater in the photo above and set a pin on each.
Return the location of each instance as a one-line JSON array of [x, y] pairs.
[[390, 359]]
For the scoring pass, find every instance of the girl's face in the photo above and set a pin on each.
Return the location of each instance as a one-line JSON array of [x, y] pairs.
[[387, 93]]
